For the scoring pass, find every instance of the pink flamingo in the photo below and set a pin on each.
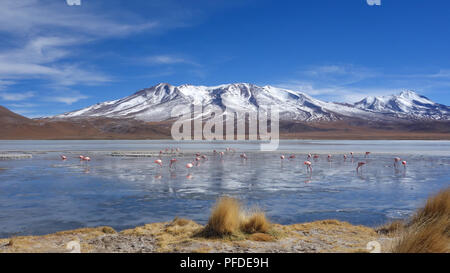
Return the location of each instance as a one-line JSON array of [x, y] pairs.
[[404, 163], [292, 157], [172, 162], [316, 157], [367, 154], [351, 153], [159, 162], [308, 165], [87, 158], [189, 166], [282, 157], [244, 156], [329, 157], [204, 157], [63, 157], [81, 157], [309, 156], [360, 164], [345, 157], [221, 154]]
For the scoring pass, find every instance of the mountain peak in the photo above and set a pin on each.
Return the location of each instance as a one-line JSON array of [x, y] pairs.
[[155, 104]]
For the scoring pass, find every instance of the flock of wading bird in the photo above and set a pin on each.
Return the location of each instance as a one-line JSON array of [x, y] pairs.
[[202, 157]]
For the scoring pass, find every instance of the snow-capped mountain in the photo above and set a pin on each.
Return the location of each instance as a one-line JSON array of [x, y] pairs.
[[156, 103], [407, 104]]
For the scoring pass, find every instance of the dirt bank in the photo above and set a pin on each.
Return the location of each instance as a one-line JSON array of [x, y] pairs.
[[185, 236]]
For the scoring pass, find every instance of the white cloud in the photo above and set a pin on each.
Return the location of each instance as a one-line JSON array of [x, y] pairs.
[[16, 96], [44, 34], [33, 17], [350, 83], [68, 99], [168, 59]]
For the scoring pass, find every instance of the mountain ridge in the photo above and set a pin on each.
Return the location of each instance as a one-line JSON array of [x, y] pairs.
[[154, 104]]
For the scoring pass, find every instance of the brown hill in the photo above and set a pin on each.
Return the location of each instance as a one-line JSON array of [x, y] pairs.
[[14, 126]]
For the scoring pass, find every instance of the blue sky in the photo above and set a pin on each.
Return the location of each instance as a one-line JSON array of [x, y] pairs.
[[56, 58]]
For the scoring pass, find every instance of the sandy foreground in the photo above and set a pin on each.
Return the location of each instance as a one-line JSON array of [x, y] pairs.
[[183, 235]]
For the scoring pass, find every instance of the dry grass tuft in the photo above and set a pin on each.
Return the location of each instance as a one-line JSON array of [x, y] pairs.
[[180, 222], [437, 207], [256, 223], [225, 217], [392, 228], [429, 229], [108, 230], [228, 219], [426, 239]]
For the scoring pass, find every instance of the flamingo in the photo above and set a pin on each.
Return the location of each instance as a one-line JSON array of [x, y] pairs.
[[221, 154], [244, 156], [351, 153], [172, 161], [87, 158], [292, 157], [309, 156], [360, 164], [308, 165], [396, 160], [81, 157], [204, 157], [316, 157], [159, 162], [404, 164], [189, 166], [367, 154], [329, 157], [282, 157], [345, 157], [63, 157]]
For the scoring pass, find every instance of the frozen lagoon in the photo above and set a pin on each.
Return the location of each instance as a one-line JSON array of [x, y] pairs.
[[43, 194]]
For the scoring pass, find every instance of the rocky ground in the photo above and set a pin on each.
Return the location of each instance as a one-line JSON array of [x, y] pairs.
[[183, 235]]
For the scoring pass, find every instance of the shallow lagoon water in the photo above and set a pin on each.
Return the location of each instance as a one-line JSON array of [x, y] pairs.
[[44, 194]]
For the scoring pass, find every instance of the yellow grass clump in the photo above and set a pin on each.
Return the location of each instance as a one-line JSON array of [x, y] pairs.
[[225, 217], [228, 218], [256, 223], [428, 231]]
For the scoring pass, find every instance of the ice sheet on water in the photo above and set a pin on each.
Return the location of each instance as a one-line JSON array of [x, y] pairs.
[[123, 192]]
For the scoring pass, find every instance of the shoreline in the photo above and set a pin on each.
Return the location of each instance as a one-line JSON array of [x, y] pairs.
[[181, 236]]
